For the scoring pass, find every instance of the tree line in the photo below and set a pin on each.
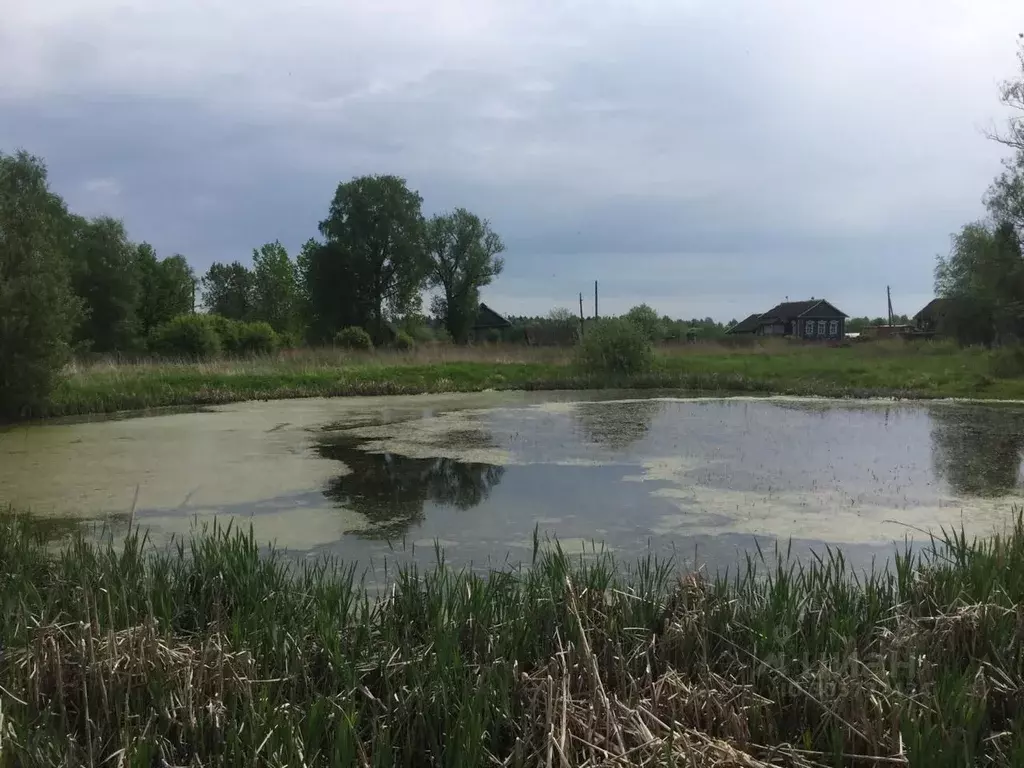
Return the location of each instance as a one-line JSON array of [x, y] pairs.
[[71, 285], [982, 277], [375, 256]]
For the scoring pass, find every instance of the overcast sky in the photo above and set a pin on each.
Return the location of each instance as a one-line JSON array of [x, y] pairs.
[[709, 158]]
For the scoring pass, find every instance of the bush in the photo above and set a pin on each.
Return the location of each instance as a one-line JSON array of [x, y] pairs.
[[228, 331], [353, 337], [404, 341], [256, 339], [191, 337], [615, 346]]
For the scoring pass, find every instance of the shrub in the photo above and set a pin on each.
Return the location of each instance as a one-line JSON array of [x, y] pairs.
[[615, 346], [192, 337], [353, 337], [257, 338], [228, 331], [404, 341]]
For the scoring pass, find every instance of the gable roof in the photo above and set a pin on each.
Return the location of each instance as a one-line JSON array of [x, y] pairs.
[[747, 325], [934, 307], [487, 318], [791, 310]]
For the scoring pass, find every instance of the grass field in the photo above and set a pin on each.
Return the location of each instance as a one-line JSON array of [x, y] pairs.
[[870, 369], [215, 654]]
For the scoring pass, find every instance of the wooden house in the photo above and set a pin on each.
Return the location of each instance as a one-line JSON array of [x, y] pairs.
[[812, 320]]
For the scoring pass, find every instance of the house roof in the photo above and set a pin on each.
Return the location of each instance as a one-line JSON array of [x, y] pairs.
[[791, 310], [747, 325], [488, 318], [933, 307]]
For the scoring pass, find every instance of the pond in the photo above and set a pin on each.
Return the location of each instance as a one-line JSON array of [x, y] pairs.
[[374, 479]]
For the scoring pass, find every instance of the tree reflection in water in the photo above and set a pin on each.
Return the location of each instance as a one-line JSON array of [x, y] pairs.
[[977, 451], [391, 490]]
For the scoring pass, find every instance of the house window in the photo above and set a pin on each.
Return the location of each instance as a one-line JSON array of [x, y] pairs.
[[833, 328], [809, 328], [821, 327]]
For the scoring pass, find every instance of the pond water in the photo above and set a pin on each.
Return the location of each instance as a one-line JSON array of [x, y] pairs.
[[378, 478]]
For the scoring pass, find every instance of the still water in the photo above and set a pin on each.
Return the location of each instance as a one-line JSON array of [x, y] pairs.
[[701, 478]]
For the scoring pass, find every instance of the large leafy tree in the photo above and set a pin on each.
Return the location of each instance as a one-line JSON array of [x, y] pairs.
[[373, 253], [463, 255], [167, 287], [105, 275], [984, 274], [38, 310], [228, 290], [275, 290]]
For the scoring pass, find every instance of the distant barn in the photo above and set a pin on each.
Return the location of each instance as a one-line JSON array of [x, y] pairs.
[[489, 320]]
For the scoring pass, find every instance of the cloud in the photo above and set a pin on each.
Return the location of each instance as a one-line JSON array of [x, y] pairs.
[[708, 158]]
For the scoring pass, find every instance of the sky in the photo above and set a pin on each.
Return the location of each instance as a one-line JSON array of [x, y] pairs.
[[708, 158]]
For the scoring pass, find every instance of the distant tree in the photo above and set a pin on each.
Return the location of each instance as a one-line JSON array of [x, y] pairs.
[[374, 231], [228, 290], [646, 320], [38, 310], [561, 316], [167, 287], [463, 257], [985, 273], [105, 275], [275, 288], [332, 296]]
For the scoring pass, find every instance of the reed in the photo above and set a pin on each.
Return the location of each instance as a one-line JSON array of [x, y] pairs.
[[218, 652]]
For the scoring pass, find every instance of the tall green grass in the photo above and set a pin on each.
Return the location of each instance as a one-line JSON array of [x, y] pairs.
[[216, 652]]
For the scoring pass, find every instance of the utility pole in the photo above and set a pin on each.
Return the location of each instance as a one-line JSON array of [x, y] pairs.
[[581, 313], [595, 300], [888, 296]]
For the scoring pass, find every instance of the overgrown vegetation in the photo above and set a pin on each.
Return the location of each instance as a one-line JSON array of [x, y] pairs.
[[616, 346], [215, 653]]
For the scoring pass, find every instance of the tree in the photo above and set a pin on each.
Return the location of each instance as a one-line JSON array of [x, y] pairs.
[[167, 288], [1005, 198], [228, 290], [106, 277], [647, 321], [275, 290], [463, 253], [374, 231], [38, 310], [331, 296], [984, 273]]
